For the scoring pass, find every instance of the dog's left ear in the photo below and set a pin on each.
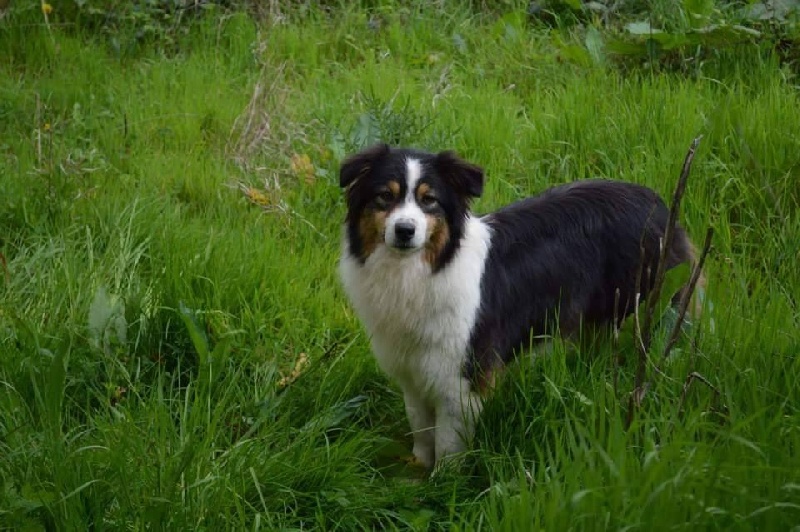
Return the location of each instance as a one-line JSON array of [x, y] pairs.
[[464, 176], [360, 164]]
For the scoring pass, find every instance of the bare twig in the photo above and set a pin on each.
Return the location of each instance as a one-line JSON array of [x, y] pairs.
[[666, 243], [644, 326], [5, 268], [638, 394], [631, 408], [687, 294], [635, 401]]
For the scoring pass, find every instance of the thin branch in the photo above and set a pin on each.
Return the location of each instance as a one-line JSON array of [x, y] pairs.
[[635, 401], [686, 297], [666, 244], [5, 268], [643, 332]]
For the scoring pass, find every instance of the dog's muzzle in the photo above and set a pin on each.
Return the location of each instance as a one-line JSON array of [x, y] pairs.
[[404, 234]]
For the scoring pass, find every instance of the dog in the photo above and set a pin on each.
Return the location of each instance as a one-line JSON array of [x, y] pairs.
[[448, 297]]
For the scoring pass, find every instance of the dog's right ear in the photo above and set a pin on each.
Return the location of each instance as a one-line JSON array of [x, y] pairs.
[[465, 177], [356, 166]]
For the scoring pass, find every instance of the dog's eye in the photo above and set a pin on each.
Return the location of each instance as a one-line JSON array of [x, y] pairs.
[[428, 200], [385, 196]]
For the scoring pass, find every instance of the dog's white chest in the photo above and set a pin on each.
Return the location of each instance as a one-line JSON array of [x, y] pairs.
[[419, 322]]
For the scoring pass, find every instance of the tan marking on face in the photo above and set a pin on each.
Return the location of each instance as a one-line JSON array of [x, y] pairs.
[[422, 190], [394, 188], [438, 235], [371, 227]]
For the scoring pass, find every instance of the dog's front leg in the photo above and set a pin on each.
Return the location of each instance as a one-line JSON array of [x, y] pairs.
[[457, 412], [421, 418]]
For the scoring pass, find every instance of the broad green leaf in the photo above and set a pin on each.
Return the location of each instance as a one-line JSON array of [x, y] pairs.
[[575, 54], [698, 11], [642, 27], [595, 46], [367, 130]]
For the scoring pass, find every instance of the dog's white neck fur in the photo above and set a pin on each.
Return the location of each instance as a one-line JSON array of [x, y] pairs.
[[419, 324], [405, 307]]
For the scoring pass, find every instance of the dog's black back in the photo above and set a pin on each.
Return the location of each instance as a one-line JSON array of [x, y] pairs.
[[558, 259]]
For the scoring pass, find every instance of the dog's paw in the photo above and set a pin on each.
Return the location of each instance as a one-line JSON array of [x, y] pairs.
[[413, 462]]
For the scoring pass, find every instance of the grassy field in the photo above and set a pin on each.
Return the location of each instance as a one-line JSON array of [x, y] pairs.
[[176, 351]]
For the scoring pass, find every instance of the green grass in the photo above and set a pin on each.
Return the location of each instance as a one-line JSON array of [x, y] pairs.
[[149, 311]]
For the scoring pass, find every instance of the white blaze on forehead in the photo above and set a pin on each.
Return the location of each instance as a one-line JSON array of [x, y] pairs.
[[413, 175], [408, 211]]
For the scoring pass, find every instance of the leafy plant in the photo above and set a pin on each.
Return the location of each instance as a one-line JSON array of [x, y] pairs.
[[124, 25], [387, 121], [641, 39], [677, 34]]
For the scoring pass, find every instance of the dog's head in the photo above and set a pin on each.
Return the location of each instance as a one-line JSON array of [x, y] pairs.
[[412, 202]]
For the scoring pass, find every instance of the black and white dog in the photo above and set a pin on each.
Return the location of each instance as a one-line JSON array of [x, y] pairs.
[[448, 297]]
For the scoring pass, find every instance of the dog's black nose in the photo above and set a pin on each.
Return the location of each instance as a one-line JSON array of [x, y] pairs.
[[404, 231]]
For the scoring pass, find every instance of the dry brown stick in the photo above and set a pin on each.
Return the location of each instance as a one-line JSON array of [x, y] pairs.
[[643, 330], [669, 233], [5, 268], [631, 408], [686, 297], [635, 401]]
